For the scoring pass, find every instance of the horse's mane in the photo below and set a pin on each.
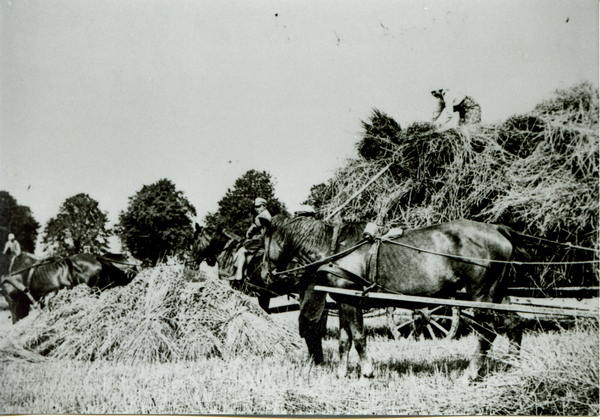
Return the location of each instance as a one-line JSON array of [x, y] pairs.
[[307, 234]]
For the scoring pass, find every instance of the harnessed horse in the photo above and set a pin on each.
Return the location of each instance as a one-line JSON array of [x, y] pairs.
[[217, 245], [433, 261], [31, 279]]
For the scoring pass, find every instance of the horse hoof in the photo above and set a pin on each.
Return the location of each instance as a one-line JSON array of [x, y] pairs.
[[367, 373], [469, 378]]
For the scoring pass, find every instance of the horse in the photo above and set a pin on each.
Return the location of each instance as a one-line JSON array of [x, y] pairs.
[[217, 245], [433, 261], [309, 240], [118, 268], [30, 279]]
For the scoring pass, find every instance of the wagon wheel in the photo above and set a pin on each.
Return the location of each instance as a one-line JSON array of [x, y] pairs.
[[439, 322]]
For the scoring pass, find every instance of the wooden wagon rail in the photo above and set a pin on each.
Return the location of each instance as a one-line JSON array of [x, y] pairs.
[[388, 299]]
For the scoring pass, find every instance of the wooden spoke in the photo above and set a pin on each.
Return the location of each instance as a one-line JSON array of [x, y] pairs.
[[431, 333], [440, 322], [439, 327]]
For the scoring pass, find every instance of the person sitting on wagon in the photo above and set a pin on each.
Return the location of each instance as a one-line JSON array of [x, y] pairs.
[[469, 111], [12, 249], [254, 238]]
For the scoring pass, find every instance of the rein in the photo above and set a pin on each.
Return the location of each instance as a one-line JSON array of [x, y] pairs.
[[465, 259], [324, 260]]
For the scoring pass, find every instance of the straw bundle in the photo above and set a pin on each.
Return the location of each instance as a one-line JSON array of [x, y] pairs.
[[537, 173], [158, 317]]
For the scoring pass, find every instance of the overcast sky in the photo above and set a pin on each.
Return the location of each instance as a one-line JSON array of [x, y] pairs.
[[105, 96]]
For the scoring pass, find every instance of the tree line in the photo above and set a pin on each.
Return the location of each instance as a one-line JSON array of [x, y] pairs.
[[158, 218], [157, 222]]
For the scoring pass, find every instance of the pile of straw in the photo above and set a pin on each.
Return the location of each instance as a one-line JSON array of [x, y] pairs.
[[537, 173], [158, 317]]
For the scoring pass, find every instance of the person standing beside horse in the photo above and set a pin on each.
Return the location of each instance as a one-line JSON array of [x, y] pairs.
[[468, 110], [254, 238], [12, 249]]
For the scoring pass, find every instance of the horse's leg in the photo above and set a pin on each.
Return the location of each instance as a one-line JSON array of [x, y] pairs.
[[311, 322], [21, 309], [485, 338], [263, 302], [514, 331], [354, 319], [345, 339], [18, 304]]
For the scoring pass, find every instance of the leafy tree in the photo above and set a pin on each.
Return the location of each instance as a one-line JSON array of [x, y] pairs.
[[80, 223], [19, 220], [158, 222], [235, 209]]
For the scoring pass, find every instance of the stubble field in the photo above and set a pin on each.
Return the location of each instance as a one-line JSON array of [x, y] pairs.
[[557, 375]]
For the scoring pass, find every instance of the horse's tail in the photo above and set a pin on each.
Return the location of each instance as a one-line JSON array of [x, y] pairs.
[[520, 241]]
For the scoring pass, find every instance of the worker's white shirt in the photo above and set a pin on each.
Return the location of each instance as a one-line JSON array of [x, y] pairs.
[[448, 118]]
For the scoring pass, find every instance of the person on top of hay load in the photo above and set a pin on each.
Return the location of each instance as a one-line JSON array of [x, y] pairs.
[[254, 238], [13, 249], [468, 110]]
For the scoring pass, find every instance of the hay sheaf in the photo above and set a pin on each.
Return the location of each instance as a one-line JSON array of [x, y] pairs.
[[158, 317], [537, 173]]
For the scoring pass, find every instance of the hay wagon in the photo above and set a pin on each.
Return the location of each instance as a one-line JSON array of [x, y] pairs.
[[441, 318], [434, 318]]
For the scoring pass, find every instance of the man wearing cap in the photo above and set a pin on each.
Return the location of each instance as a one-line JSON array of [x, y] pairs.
[[305, 210], [468, 110], [13, 249], [254, 237]]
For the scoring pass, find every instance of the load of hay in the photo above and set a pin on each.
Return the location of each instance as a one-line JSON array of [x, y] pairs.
[[158, 317], [537, 173]]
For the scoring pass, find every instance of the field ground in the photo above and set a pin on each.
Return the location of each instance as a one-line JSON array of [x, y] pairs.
[[557, 375]]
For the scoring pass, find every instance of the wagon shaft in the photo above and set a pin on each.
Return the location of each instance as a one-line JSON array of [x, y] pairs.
[[393, 300]]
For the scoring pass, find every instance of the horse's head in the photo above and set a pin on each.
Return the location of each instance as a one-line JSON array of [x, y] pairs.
[[208, 243], [303, 239], [125, 263], [200, 244]]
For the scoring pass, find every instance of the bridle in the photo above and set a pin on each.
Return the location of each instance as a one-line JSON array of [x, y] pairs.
[[303, 259]]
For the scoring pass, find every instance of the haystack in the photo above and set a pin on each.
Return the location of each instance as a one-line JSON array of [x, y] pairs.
[[537, 173], [158, 317]]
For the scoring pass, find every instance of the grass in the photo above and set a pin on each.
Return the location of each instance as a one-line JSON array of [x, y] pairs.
[[149, 348], [558, 375]]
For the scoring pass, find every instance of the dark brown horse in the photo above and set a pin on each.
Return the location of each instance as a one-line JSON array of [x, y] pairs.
[[30, 279], [434, 261], [308, 240], [118, 269], [217, 245]]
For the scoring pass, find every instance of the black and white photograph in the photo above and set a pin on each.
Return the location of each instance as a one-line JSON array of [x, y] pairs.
[[286, 208]]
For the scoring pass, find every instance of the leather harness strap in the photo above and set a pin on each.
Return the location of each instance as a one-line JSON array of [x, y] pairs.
[[372, 261], [334, 239], [371, 270], [342, 273]]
